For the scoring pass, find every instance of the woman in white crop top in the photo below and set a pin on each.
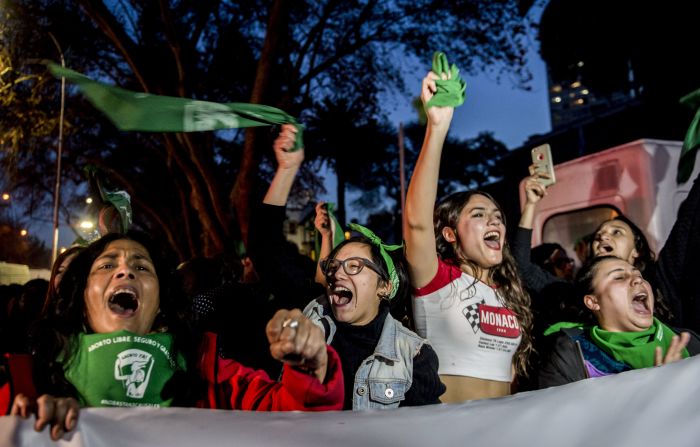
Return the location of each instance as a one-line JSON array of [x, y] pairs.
[[468, 301]]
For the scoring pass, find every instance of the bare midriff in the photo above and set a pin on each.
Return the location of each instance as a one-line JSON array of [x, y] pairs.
[[461, 388]]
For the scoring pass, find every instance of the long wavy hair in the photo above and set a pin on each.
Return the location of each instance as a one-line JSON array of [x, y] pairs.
[[54, 339], [505, 274]]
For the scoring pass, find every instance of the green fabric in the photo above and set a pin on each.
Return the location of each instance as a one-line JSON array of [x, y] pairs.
[[450, 92], [337, 233], [123, 369], [553, 329], [691, 143], [637, 349], [383, 250], [153, 113], [121, 201]]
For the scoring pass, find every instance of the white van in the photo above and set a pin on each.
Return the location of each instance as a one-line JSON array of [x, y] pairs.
[[637, 179]]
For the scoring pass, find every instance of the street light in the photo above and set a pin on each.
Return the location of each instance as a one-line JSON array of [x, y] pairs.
[[23, 232], [5, 197], [59, 154]]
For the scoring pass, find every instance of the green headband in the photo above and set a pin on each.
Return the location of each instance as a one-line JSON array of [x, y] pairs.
[[450, 92], [383, 250]]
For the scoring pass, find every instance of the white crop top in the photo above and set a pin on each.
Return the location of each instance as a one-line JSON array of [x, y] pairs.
[[465, 322]]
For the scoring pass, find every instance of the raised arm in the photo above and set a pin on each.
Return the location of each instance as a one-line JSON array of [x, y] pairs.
[[421, 252], [287, 166], [322, 222], [534, 192], [535, 277], [288, 274]]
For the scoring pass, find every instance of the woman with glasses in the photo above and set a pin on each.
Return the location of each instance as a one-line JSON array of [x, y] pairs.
[[385, 365], [468, 299]]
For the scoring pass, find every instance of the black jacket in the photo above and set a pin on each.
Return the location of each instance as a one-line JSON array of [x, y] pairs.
[[563, 360]]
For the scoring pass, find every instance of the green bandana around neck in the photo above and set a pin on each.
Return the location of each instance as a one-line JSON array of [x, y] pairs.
[[691, 143], [154, 113], [383, 250], [123, 369], [636, 349], [450, 92]]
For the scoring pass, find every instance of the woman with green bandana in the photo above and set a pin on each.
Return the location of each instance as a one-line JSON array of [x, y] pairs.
[[626, 336], [385, 365], [119, 335]]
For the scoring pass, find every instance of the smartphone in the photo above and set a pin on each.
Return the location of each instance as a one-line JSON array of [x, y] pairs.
[[542, 159]]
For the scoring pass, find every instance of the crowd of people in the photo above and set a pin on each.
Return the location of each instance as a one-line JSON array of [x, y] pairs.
[[119, 325]]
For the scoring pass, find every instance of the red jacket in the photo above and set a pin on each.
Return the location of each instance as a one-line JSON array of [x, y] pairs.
[[237, 387], [230, 384], [17, 372]]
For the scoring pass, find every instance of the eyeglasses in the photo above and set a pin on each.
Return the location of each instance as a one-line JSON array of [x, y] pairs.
[[351, 266]]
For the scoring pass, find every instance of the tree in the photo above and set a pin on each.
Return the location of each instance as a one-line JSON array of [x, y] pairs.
[[19, 248], [293, 55]]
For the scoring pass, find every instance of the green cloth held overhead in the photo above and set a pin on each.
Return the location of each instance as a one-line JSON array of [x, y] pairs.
[[153, 113], [450, 92], [692, 139]]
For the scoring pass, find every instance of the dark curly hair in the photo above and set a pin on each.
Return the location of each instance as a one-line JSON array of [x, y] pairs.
[[53, 340], [505, 274]]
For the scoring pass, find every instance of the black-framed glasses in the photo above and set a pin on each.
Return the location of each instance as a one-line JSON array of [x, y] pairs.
[[351, 266]]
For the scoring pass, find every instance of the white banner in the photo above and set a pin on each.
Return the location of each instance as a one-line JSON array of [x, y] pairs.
[[650, 407]]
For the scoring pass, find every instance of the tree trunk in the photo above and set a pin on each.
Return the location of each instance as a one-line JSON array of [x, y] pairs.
[[240, 194]]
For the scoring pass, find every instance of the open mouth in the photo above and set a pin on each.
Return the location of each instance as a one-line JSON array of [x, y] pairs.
[[604, 249], [492, 239], [123, 302], [340, 296], [640, 303]]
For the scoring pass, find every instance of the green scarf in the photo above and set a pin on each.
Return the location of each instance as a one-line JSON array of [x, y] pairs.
[[123, 369], [450, 92], [153, 113], [691, 143], [635, 348]]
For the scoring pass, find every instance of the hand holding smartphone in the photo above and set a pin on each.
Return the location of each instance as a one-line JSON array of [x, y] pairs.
[[542, 161]]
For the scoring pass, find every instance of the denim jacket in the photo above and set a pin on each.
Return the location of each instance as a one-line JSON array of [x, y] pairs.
[[383, 378]]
